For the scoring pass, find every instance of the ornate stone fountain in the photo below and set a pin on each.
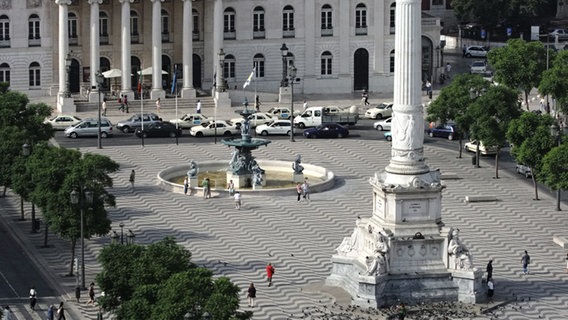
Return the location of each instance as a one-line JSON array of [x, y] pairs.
[[244, 170]]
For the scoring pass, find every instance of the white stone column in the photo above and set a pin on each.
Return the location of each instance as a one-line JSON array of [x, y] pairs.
[[187, 92], [95, 51], [221, 98], [125, 46], [157, 90], [407, 154], [64, 103]]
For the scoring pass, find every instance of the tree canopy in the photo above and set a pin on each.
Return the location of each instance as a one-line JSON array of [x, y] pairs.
[[555, 81], [554, 172], [158, 281]]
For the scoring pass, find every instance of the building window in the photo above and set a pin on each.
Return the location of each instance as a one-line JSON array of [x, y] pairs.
[[326, 21], [72, 29], [134, 32], [229, 24], [103, 28], [33, 31], [288, 22], [4, 31], [258, 63], [437, 2], [258, 23], [35, 75], [391, 17], [195, 24], [4, 72], [361, 20], [229, 67], [391, 62], [326, 61], [165, 26]]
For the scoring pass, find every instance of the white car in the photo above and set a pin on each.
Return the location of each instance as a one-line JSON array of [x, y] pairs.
[[63, 122], [256, 119], [282, 112], [275, 127], [524, 170], [383, 125], [383, 110], [190, 120], [472, 147], [478, 67], [475, 51], [224, 128]]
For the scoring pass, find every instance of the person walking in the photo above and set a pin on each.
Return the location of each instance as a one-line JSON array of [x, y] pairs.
[[489, 269], [306, 189], [238, 201], [257, 103], [121, 101], [104, 107], [33, 297], [567, 263], [305, 105], [158, 105], [464, 49], [231, 188], [448, 70], [428, 89], [269, 273], [125, 101], [525, 261], [251, 294], [401, 311], [50, 312], [185, 185], [132, 178], [206, 188], [198, 107], [490, 290], [299, 190], [61, 312], [91, 293], [365, 98]]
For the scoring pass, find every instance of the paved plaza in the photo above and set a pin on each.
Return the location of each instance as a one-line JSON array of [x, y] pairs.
[[299, 238]]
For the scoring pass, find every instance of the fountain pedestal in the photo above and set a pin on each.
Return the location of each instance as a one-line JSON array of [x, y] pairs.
[[193, 182], [298, 177]]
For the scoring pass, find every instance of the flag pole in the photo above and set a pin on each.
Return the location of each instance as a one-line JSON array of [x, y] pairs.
[[174, 87], [141, 86]]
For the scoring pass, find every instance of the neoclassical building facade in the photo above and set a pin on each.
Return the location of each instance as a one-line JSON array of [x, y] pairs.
[[55, 46]]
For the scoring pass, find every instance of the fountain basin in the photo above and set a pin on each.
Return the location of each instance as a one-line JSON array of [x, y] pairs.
[[324, 179]]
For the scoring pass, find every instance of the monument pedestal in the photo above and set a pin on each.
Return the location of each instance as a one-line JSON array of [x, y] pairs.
[[193, 182], [240, 181], [298, 177]]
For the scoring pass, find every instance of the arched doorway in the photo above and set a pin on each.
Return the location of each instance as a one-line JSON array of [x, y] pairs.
[[74, 82], [104, 65], [361, 70], [427, 60], [135, 67], [196, 71], [167, 67]]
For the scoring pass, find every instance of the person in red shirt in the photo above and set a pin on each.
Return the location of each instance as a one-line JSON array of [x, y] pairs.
[[269, 273]]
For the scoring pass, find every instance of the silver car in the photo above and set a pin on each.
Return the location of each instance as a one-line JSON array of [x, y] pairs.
[[90, 128], [135, 122]]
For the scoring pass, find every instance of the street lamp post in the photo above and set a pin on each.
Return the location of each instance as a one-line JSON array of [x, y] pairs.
[[68, 61], [221, 84], [292, 77], [284, 52], [556, 133], [121, 225], [82, 198], [100, 80], [116, 237]]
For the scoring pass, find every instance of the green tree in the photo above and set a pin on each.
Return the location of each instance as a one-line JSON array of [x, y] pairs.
[[53, 183], [555, 81], [158, 281], [454, 100], [492, 112], [506, 61], [554, 172], [531, 140], [20, 122]]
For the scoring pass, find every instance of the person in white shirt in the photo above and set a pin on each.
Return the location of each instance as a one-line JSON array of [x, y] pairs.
[[237, 200], [305, 104], [198, 107]]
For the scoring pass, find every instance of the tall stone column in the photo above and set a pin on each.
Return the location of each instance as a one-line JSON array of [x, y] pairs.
[[95, 51], [187, 92], [221, 97], [64, 101], [125, 46], [157, 90]]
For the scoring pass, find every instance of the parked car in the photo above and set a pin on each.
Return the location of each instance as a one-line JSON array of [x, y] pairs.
[[190, 120], [561, 33], [472, 147], [383, 124], [62, 122], [475, 51], [282, 112], [444, 130], [90, 128], [328, 130], [275, 127], [478, 66], [380, 111], [524, 170], [159, 129], [135, 122], [388, 135], [224, 128], [255, 119]]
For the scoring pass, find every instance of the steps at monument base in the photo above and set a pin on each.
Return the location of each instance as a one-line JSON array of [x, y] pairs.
[[416, 289]]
